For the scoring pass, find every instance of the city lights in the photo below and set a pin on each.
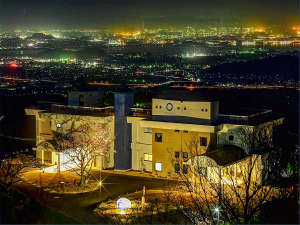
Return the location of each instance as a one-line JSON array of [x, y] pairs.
[[149, 112]]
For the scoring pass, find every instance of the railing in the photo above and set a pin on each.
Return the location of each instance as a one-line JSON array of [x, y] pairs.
[[81, 110], [140, 112], [95, 111]]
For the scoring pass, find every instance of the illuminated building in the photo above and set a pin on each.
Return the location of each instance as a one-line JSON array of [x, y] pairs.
[[184, 126], [181, 126]]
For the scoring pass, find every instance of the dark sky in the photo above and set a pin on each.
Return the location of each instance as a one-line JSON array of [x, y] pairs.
[[130, 13]]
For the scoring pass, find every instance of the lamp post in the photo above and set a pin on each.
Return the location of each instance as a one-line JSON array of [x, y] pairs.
[[217, 211], [100, 183]]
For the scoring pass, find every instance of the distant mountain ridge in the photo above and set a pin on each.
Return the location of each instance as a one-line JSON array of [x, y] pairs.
[[287, 66]]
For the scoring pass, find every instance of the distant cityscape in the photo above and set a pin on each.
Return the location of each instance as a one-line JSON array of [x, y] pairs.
[[147, 57], [149, 112]]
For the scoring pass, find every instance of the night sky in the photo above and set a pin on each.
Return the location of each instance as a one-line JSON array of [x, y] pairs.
[[130, 13]]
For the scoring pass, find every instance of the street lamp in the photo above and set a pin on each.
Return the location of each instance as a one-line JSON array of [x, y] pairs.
[[217, 211]]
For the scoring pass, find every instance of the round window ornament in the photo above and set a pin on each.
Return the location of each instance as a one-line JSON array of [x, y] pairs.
[[123, 203], [169, 107]]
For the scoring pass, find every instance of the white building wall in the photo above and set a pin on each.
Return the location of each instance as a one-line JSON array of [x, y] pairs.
[[227, 130], [49, 123], [141, 144]]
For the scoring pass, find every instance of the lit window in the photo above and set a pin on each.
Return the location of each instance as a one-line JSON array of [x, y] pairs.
[[148, 157], [58, 125], [203, 141], [185, 168], [148, 130], [177, 167], [177, 155], [158, 166], [185, 155], [231, 137], [158, 137], [202, 171]]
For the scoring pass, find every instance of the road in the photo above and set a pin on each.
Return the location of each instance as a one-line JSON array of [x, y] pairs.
[[80, 206]]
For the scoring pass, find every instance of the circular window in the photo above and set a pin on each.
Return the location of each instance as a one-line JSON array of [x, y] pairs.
[[58, 125], [169, 106]]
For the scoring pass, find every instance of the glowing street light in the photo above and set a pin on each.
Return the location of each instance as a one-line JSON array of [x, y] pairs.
[[217, 211]]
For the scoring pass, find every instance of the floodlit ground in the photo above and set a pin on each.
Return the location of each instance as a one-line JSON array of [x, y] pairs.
[[80, 206], [63, 182], [67, 182], [160, 206]]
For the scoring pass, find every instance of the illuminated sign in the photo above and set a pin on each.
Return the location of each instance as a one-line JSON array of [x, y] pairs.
[[123, 203]]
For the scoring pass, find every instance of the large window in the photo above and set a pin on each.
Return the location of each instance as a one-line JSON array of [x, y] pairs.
[[177, 167], [202, 171], [158, 137], [158, 166], [203, 141], [147, 157]]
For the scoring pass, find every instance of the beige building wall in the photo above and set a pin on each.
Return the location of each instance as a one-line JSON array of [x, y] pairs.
[[233, 174], [181, 141], [141, 145], [201, 110]]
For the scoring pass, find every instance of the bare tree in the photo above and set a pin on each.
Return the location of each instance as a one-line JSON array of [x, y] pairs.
[[81, 146], [12, 167], [230, 185]]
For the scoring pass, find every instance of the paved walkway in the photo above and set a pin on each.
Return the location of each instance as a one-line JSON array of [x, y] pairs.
[[80, 206]]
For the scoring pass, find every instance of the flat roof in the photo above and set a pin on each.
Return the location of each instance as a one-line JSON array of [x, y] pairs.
[[183, 95], [226, 155], [244, 111]]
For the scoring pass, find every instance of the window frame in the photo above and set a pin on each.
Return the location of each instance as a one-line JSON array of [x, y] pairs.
[[200, 171], [183, 155], [185, 168], [156, 168], [177, 168], [157, 139], [201, 141], [147, 130], [148, 156]]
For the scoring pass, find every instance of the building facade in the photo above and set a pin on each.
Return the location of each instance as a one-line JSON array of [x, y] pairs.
[[162, 140]]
